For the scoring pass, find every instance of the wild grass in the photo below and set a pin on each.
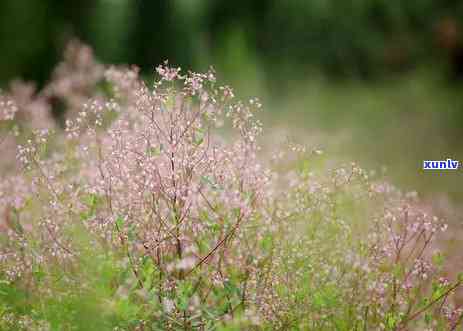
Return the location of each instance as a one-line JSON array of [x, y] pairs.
[[155, 207]]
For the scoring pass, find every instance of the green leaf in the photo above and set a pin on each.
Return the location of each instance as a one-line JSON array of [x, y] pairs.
[[15, 224], [199, 137], [148, 271], [438, 291], [119, 222], [397, 270], [154, 151], [267, 242], [215, 227], [231, 288], [391, 321], [427, 318], [38, 273], [184, 293], [91, 200], [438, 259]]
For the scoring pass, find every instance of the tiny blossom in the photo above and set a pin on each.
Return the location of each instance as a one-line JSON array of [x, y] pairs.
[[8, 108], [168, 73]]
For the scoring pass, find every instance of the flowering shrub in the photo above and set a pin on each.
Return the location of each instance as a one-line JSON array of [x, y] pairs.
[[154, 209]]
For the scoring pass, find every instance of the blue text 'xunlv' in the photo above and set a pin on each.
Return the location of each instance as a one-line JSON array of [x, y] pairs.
[[448, 164]]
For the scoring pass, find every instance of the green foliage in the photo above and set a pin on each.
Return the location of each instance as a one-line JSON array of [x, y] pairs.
[[374, 38]]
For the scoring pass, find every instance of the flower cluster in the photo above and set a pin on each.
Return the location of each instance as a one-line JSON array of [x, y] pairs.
[[157, 203], [8, 108]]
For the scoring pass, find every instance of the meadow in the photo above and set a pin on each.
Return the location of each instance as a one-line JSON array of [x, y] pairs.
[[166, 204]]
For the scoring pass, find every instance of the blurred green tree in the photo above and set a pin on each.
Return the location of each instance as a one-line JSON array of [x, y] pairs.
[[360, 38]]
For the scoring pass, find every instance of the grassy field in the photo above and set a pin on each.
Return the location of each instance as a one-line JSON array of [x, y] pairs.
[[171, 206], [394, 124]]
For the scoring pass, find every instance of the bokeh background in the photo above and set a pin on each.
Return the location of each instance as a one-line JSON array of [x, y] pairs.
[[374, 81]]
